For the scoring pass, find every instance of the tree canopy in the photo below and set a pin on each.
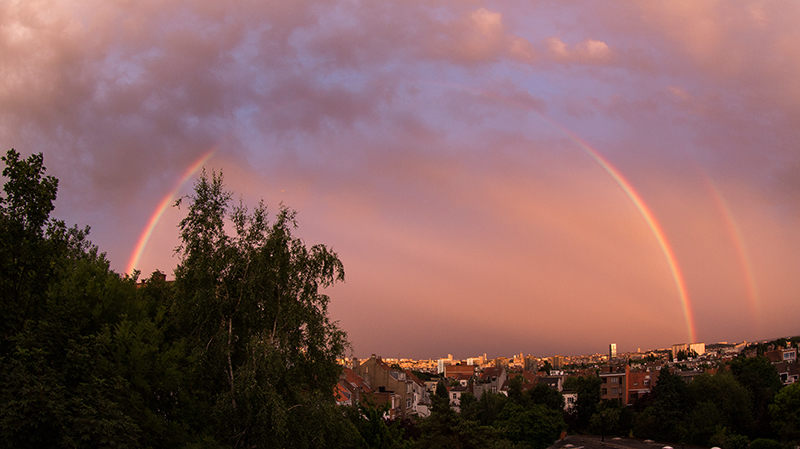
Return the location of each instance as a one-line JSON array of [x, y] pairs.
[[238, 351]]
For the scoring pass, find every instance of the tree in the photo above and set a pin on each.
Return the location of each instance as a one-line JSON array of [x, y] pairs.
[[257, 324], [441, 391], [670, 402], [543, 394], [26, 240], [515, 391], [490, 405], [612, 418], [718, 401], [758, 375], [469, 406], [536, 425], [373, 429], [446, 428], [588, 390], [71, 330], [785, 413]]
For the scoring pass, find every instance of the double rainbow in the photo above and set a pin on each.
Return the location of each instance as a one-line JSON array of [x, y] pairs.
[[615, 174]]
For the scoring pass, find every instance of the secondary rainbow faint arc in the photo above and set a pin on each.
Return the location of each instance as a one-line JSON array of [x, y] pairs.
[[626, 186], [162, 206], [738, 242]]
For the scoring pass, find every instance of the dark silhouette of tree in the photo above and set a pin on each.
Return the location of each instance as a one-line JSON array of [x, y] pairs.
[[758, 375], [257, 324], [785, 413], [544, 394]]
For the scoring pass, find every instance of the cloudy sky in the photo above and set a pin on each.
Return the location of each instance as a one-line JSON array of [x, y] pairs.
[[497, 177]]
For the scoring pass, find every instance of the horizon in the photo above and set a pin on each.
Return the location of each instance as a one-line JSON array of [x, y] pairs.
[[643, 350]]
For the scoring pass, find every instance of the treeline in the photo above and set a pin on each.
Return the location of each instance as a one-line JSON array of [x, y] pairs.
[[743, 405], [238, 351]]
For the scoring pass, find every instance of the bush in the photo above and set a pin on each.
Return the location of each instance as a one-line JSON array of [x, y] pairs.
[[765, 443]]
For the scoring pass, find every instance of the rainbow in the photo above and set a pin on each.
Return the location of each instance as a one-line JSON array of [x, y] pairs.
[[648, 216], [738, 242], [162, 206], [626, 186]]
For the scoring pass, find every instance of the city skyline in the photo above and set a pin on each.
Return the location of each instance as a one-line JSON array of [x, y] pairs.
[[494, 176]]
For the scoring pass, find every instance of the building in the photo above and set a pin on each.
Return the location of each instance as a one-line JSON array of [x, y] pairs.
[[782, 355], [531, 364], [442, 363], [458, 371], [698, 348], [612, 351], [613, 383], [454, 393], [558, 362], [639, 383], [382, 378], [570, 399], [788, 372], [490, 380], [355, 386], [420, 401]]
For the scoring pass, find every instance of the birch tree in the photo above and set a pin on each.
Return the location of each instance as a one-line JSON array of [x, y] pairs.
[[249, 300]]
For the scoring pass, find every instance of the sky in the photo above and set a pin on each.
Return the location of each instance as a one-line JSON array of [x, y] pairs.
[[544, 177]]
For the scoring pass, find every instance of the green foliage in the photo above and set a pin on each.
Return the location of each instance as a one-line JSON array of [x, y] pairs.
[[469, 406], [545, 395], [670, 401], [441, 390], [725, 439], [588, 390], [712, 410], [372, 427], [536, 425], [717, 401], [489, 407], [423, 376], [256, 322], [758, 375], [612, 418], [785, 413], [765, 443], [83, 361], [446, 428], [238, 351], [515, 392]]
